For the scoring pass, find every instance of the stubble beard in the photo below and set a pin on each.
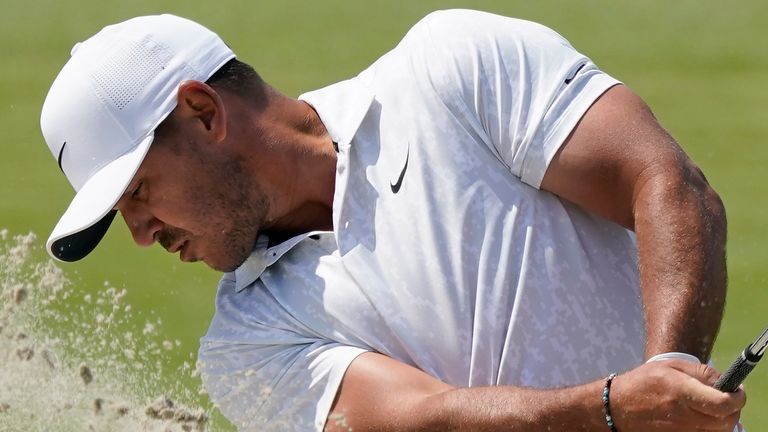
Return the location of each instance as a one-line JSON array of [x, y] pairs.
[[237, 243], [243, 207]]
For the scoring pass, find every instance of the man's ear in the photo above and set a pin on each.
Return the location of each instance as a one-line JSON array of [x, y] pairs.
[[200, 104]]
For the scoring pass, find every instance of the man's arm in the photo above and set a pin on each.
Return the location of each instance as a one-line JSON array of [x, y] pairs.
[[382, 394], [621, 164]]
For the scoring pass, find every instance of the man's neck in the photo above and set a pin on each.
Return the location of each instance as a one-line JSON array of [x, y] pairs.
[[304, 175]]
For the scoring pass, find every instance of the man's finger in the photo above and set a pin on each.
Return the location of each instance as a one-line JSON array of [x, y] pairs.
[[700, 371], [711, 402]]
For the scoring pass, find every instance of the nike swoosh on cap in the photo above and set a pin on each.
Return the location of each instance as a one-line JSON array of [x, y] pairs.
[[61, 152]]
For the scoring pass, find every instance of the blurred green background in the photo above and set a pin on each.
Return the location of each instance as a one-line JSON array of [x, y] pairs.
[[700, 64]]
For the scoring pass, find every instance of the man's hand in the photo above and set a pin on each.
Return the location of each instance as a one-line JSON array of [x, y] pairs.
[[673, 395], [382, 394]]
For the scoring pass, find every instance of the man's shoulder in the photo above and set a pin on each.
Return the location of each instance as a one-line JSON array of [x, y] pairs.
[[448, 51], [451, 26]]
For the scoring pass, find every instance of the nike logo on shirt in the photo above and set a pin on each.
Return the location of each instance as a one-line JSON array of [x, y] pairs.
[[396, 186], [568, 80]]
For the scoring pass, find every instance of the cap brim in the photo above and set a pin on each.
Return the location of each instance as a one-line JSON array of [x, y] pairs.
[[91, 211]]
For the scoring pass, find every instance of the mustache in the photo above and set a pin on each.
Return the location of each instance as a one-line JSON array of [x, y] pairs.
[[170, 236]]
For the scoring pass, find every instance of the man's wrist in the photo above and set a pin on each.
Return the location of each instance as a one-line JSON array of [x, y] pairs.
[[674, 356]]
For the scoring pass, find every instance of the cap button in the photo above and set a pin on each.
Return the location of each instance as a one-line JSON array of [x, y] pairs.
[[75, 48]]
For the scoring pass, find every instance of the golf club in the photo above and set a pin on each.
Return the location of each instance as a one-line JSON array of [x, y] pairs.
[[743, 365]]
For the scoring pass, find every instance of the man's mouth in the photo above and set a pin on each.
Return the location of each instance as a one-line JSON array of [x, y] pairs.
[[186, 255], [176, 246]]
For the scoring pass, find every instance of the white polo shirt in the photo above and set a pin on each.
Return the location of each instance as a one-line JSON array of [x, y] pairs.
[[445, 254]]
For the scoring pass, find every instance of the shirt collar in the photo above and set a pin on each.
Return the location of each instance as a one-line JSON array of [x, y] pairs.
[[264, 256], [342, 106]]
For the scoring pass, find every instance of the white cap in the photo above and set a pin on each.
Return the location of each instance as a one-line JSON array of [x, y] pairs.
[[101, 112]]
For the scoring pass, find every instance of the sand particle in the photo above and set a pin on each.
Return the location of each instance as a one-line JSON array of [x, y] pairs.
[[98, 404], [85, 373], [19, 294], [159, 406], [49, 358], [122, 410], [25, 353]]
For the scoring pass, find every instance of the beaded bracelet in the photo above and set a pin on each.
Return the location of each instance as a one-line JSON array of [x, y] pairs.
[[606, 402]]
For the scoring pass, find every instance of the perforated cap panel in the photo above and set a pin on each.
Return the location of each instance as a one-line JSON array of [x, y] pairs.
[[143, 60]]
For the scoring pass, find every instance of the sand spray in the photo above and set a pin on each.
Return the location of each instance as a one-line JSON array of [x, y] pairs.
[[73, 361]]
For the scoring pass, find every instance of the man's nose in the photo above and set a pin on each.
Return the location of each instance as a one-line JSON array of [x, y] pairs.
[[143, 226]]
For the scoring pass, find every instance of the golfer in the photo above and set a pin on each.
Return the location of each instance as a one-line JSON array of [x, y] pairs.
[[480, 231]]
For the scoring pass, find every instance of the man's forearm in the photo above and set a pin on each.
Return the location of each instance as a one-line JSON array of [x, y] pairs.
[[681, 233], [575, 409], [660, 396], [379, 393]]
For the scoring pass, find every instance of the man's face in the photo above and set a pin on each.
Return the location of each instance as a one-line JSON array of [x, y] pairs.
[[194, 198]]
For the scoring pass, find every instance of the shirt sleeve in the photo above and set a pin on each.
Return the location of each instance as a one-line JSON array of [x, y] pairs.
[[264, 374], [520, 85]]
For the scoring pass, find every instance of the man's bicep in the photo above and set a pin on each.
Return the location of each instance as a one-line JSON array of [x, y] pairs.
[[615, 145], [378, 392]]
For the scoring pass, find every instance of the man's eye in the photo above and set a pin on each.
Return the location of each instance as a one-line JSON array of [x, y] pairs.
[[135, 192]]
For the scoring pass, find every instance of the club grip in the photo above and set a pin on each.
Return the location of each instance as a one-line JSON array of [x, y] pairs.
[[734, 376]]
